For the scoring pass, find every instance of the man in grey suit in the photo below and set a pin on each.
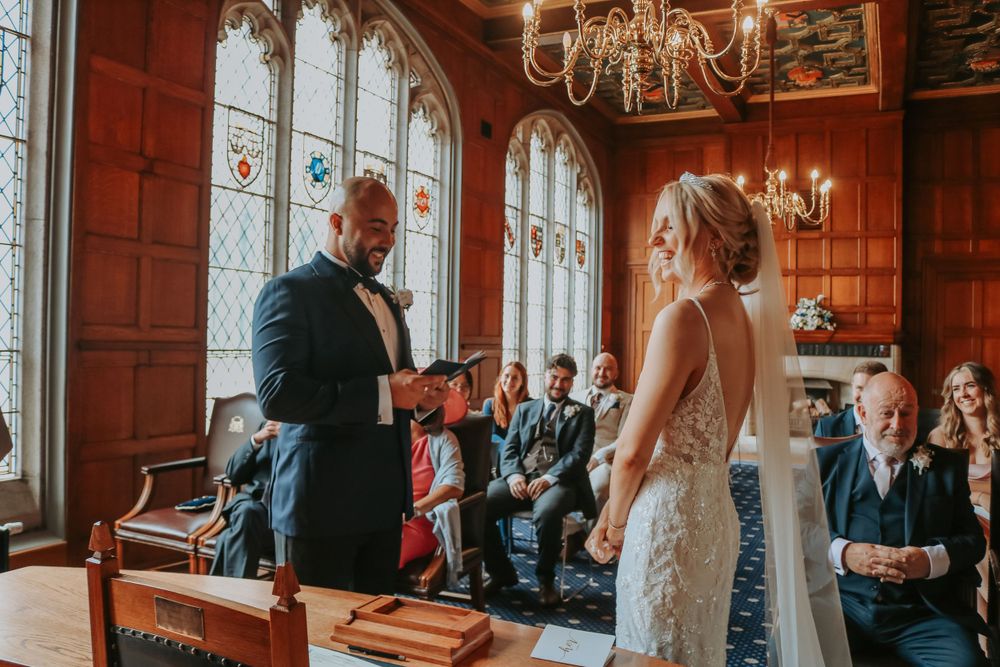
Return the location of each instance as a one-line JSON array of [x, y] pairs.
[[611, 406], [542, 469]]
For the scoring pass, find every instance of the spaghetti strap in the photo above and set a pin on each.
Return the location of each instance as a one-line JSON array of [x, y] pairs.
[[711, 343]]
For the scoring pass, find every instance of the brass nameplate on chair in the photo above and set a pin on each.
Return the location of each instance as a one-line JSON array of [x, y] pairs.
[[183, 619], [414, 630]]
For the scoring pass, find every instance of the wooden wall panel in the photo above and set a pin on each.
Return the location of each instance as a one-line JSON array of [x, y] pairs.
[[951, 240], [137, 312]]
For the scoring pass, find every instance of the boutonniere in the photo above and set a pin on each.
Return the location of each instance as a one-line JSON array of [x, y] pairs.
[[921, 459], [616, 400], [571, 411], [402, 298]]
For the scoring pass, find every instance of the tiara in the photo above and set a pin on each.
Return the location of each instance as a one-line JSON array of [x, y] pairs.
[[698, 181]]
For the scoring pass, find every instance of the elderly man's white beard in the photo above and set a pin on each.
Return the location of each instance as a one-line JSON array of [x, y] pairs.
[[890, 448]]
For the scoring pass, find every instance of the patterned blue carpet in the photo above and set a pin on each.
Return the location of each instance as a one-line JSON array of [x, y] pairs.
[[594, 608]]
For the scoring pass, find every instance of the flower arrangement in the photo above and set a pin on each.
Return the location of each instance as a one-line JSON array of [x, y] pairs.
[[809, 315], [921, 459]]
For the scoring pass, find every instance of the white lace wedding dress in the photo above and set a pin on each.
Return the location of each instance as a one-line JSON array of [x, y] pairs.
[[683, 536]]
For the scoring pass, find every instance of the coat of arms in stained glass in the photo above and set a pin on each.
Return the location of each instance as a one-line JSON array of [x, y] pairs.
[[245, 136], [560, 247], [508, 234], [422, 203], [536, 240], [581, 253]]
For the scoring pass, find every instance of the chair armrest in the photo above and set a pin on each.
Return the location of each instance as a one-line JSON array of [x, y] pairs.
[[223, 494], [170, 466], [471, 500], [149, 479], [435, 569]]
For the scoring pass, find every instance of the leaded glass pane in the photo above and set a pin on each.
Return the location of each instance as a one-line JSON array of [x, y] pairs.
[[242, 207], [512, 233], [560, 290], [14, 42], [422, 215], [581, 258], [317, 132], [536, 324], [378, 102]]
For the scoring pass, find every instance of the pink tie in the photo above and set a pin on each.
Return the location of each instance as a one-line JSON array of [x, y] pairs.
[[883, 473]]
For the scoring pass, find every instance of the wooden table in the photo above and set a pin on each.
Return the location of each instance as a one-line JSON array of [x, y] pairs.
[[44, 619]]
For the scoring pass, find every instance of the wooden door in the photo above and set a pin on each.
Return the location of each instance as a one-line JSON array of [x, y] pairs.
[[643, 306], [961, 321]]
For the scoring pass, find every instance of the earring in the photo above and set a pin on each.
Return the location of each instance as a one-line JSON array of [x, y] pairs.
[[713, 249]]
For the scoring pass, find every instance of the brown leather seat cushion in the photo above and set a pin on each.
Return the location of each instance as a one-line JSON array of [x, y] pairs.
[[166, 523], [411, 571]]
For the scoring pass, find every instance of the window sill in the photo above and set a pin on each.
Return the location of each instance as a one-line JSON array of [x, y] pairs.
[[37, 548]]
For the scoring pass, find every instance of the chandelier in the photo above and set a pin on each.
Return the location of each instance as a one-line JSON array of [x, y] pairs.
[[667, 41], [779, 203]]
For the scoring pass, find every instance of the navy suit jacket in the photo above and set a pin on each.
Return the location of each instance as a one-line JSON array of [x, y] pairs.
[[317, 355], [839, 425], [938, 511], [574, 440]]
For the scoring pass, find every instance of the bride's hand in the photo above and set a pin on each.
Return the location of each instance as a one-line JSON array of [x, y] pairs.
[[597, 544]]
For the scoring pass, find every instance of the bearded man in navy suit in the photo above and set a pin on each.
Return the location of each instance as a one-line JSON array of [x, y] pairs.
[[332, 361], [905, 540]]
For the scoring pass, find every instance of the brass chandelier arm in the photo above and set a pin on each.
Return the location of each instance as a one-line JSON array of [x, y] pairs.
[[590, 93]]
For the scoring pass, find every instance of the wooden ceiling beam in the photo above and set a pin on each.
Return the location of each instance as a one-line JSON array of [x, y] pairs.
[[895, 33]]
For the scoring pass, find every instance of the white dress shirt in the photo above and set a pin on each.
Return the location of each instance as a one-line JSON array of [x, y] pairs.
[[936, 553], [386, 323]]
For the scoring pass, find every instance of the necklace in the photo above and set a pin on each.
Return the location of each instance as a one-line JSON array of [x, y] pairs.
[[713, 284]]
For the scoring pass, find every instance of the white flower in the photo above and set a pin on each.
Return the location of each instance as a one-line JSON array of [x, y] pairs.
[[921, 459], [809, 315], [403, 298], [571, 411]]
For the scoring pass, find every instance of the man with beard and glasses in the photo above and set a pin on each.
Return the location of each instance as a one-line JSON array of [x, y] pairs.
[[543, 468], [332, 361], [904, 538]]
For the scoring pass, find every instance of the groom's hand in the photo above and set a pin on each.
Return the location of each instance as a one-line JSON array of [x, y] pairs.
[[538, 487], [408, 388]]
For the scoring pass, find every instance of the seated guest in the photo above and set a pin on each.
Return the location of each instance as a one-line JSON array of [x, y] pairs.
[[970, 420], [438, 481], [904, 535], [846, 422], [610, 406], [463, 385], [510, 390], [543, 468], [247, 535]]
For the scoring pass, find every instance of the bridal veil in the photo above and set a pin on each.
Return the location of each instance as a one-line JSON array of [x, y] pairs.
[[807, 624]]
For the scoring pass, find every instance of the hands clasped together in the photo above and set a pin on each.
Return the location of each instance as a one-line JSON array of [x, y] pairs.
[[605, 541], [891, 564]]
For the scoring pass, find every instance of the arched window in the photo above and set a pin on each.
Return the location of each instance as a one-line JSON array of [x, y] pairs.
[[548, 253], [15, 26], [365, 100], [242, 202]]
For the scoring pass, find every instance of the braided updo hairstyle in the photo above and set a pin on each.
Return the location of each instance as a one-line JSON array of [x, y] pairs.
[[713, 202]]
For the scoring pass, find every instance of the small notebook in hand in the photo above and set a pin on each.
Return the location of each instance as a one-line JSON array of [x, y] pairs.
[[574, 647], [200, 504], [453, 368]]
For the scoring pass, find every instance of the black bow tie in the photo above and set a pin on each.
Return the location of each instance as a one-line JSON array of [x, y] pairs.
[[355, 278]]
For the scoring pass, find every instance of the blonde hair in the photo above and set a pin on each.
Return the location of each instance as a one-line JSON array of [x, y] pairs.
[[952, 421], [716, 203]]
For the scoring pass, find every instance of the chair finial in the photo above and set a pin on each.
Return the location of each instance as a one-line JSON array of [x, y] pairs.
[[101, 542], [286, 585]]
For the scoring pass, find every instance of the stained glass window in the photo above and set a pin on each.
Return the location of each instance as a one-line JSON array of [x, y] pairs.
[[317, 132], [14, 38], [536, 325], [242, 206], [548, 247], [378, 108], [423, 234], [513, 234], [560, 256], [580, 257]]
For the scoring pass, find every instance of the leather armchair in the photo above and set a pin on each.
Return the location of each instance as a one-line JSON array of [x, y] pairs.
[[427, 577], [233, 420]]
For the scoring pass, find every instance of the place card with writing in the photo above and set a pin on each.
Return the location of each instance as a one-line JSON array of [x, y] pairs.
[[574, 647]]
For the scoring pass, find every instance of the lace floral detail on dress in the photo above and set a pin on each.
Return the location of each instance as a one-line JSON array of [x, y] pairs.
[[679, 558]]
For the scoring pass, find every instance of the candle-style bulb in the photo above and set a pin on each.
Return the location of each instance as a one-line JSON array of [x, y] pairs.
[[528, 12], [814, 174], [567, 41], [782, 175], [827, 184], [740, 181], [747, 25]]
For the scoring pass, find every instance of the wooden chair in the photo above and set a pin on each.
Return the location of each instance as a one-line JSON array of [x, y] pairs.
[[208, 540], [427, 577], [233, 421], [136, 621]]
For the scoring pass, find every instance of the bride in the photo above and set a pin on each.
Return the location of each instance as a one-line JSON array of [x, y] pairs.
[[670, 517]]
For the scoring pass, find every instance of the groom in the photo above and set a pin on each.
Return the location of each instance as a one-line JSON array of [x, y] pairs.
[[543, 468], [905, 540]]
